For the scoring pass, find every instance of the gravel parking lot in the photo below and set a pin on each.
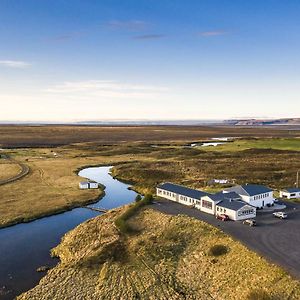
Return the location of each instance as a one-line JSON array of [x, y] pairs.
[[275, 239]]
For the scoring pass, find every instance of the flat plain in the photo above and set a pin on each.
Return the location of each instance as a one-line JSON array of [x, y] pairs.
[[145, 157]]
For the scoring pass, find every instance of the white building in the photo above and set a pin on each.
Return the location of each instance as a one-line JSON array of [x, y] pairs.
[[88, 185], [254, 194], [180, 194], [290, 193], [228, 203]]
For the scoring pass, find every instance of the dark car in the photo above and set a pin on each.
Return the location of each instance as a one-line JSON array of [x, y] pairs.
[[250, 222], [222, 217]]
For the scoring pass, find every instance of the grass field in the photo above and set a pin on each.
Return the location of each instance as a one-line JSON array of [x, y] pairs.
[[195, 167], [172, 257], [36, 136], [8, 169], [168, 258], [52, 185], [271, 143]]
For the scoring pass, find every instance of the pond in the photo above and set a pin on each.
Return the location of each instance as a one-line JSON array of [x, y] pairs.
[[25, 247]]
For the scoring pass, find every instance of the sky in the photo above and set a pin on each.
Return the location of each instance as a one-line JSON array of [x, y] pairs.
[[79, 60]]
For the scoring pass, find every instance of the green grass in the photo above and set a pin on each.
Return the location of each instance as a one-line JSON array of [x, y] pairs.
[[244, 144]]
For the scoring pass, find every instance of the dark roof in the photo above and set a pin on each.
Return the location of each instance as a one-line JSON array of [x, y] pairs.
[[233, 204], [181, 190], [249, 189], [292, 190], [224, 196]]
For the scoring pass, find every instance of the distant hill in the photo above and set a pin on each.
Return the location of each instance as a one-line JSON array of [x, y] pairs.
[[263, 122]]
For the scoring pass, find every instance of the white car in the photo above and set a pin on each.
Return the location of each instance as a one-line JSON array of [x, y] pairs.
[[280, 214]]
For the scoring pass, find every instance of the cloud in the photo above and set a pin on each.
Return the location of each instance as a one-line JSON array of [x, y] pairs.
[[104, 89], [149, 36], [131, 25], [212, 33], [17, 64]]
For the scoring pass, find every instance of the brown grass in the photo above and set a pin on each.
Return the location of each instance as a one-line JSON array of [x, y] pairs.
[[195, 168], [8, 170], [168, 259], [33, 136], [52, 185]]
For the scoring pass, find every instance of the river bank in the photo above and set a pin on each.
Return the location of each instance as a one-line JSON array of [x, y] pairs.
[[168, 257], [50, 188], [25, 247]]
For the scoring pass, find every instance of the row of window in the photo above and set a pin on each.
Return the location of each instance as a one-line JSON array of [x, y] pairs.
[[221, 209], [246, 212], [261, 196], [166, 193]]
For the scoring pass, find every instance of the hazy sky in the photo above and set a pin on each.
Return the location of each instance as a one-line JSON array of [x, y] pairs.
[[69, 60]]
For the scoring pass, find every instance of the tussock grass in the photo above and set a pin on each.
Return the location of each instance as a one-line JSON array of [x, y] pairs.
[[121, 221], [166, 260], [218, 250]]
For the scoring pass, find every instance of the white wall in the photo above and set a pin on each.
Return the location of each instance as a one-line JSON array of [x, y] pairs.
[[205, 209], [259, 200], [230, 213], [83, 186], [93, 185], [175, 197], [289, 195], [245, 213], [242, 214]]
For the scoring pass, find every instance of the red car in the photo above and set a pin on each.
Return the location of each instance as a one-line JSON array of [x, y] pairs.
[[222, 217]]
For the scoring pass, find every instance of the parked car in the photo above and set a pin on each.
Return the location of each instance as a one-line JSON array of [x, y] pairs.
[[280, 215], [250, 222], [222, 217]]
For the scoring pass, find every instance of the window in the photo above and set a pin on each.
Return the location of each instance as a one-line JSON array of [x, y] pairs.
[[206, 204], [246, 212]]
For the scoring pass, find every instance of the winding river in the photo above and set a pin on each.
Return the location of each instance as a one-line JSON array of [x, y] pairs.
[[25, 247]]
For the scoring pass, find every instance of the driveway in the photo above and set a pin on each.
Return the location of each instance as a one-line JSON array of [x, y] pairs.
[[275, 239]]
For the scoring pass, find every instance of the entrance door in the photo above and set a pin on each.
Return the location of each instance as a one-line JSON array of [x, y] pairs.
[[263, 203]]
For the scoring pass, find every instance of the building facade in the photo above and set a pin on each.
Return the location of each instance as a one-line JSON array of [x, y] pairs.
[[229, 203], [291, 193], [180, 194], [88, 185], [254, 194]]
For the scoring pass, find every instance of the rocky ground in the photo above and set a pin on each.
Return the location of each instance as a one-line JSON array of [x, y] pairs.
[[167, 257]]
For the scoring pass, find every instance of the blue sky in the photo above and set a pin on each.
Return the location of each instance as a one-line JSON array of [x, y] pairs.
[[69, 60]]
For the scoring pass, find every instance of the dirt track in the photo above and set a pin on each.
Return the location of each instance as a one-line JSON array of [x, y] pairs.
[[24, 171]]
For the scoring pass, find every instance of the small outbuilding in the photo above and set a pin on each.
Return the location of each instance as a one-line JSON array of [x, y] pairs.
[[290, 193], [88, 185]]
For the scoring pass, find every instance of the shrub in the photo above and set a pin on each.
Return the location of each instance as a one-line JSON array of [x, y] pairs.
[[148, 199], [218, 250], [121, 223], [138, 198]]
